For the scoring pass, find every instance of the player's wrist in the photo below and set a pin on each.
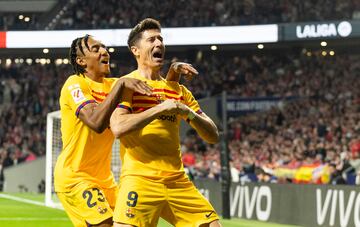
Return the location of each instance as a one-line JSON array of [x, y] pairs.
[[190, 116], [121, 83]]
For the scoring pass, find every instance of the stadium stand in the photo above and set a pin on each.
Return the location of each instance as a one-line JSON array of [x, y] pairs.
[[80, 14]]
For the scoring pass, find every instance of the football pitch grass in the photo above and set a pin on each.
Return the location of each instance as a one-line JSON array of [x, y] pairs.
[[20, 213]]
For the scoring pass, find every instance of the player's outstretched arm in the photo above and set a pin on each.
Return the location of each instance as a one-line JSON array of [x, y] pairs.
[[97, 116], [205, 127], [203, 124], [178, 69], [123, 122]]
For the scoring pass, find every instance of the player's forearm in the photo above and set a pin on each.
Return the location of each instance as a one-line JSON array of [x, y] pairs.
[[206, 128], [121, 124], [172, 75], [100, 116]]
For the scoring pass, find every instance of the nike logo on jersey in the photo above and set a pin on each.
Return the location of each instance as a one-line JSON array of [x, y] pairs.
[[209, 214]]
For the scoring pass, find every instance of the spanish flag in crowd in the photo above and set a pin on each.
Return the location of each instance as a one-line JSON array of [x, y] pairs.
[[305, 174]]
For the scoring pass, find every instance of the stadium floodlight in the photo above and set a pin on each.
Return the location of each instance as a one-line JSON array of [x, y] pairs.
[[58, 61], [323, 43], [332, 53], [213, 47], [43, 61], [260, 46]]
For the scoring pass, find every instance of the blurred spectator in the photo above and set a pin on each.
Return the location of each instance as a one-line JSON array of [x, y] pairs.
[[41, 186], [319, 128], [86, 14], [335, 175]]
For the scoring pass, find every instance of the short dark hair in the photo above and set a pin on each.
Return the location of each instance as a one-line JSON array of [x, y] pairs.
[[75, 46], [136, 32]]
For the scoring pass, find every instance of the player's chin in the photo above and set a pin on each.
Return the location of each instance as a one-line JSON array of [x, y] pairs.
[[158, 63], [106, 72], [106, 69]]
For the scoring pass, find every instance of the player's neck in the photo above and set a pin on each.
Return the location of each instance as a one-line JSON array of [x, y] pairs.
[[94, 77], [149, 73]]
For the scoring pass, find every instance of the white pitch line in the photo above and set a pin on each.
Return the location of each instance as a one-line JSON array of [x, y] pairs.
[[19, 199], [31, 219]]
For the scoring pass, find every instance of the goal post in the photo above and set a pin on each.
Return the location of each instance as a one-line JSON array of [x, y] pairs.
[[53, 150]]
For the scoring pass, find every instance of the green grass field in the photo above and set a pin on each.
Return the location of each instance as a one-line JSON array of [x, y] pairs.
[[16, 214]]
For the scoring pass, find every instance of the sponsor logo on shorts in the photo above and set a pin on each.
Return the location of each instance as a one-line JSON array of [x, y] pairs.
[[130, 213], [102, 210], [209, 214]]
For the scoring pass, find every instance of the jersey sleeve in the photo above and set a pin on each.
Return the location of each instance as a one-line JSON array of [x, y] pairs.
[[126, 100], [190, 101], [76, 94]]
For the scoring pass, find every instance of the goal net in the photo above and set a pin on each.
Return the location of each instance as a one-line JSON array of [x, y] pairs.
[[53, 149]]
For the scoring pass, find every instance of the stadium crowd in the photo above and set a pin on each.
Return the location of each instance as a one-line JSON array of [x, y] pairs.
[[27, 94], [321, 126], [320, 130], [80, 14]]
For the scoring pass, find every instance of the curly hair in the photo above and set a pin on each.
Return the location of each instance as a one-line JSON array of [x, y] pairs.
[[73, 53]]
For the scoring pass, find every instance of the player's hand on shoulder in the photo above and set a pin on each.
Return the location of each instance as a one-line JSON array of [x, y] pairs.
[[136, 85], [178, 69]]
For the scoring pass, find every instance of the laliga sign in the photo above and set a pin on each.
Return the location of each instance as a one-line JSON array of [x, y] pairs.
[[343, 29]]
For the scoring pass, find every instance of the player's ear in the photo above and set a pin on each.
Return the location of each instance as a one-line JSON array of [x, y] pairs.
[[135, 50], [81, 61]]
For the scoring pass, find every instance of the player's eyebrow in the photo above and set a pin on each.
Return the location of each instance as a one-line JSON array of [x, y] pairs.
[[97, 45], [155, 36]]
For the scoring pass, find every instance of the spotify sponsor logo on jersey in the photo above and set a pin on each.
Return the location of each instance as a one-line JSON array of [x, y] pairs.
[[171, 118], [319, 30]]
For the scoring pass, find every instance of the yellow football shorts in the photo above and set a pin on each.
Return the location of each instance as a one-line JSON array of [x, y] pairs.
[[141, 202], [87, 203]]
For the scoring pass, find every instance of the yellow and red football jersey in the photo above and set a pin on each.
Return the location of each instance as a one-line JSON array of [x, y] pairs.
[[86, 155], [154, 151]]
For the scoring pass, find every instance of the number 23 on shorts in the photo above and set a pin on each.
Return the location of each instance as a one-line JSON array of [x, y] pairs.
[[88, 195]]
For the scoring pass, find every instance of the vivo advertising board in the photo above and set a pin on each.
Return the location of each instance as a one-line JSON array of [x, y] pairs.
[[320, 30], [303, 205]]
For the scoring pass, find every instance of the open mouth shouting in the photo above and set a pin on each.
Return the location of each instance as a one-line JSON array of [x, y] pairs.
[[158, 55], [105, 61]]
